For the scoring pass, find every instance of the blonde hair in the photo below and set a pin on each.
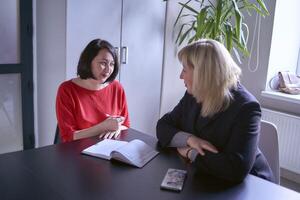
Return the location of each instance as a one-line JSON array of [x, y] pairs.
[[214, 74]]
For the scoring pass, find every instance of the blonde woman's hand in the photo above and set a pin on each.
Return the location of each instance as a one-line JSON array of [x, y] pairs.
[[200, 145], [183, 151]]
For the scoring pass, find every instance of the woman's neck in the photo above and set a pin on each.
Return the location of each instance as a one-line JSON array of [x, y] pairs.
[[90, 84]]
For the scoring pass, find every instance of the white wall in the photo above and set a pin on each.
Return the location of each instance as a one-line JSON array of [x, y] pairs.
[[172, 87], [286, 37], [49, 66]]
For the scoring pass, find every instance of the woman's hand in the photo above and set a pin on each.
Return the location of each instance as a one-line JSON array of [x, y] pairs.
[[110, 134], [113, 123], [113, 127], [200, 145], [183, 151]]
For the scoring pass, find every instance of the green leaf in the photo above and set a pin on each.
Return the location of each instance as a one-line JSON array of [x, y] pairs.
[[263, 6], [228, 36], [186, 33], [238, 20], [189, 7], [207, 30], [240, 46], [180, 12], [191, 39], [211, 4], [201, 23], [253, 7], [180, 31], [221, 20], [218, 13], [187, 15], [190, 24], [226, 14]]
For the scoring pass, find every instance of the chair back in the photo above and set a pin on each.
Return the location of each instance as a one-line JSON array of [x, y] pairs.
[[268, 144], [57, 136]]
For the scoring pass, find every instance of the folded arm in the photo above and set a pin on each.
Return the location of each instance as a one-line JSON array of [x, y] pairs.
[[235, 160]]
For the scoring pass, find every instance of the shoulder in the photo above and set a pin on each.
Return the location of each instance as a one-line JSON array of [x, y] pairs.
[[65, 85], [69, 88], [188, 98], [242, 96], [244, 103], [116, 85]]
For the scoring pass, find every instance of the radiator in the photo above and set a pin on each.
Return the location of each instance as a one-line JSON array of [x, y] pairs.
[[288, 127]]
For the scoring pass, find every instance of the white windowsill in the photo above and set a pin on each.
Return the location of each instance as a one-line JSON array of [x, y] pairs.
[[281, 96]]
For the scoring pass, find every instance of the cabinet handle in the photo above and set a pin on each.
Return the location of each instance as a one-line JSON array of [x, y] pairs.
[[124, 56]]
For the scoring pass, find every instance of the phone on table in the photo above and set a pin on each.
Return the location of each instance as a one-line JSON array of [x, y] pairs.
[[174, 180]]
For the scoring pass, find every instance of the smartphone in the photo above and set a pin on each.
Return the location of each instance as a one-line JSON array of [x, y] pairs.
[[174, 180]]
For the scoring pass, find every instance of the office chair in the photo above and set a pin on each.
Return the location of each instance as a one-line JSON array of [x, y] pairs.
[[57, 136], [268, 144]]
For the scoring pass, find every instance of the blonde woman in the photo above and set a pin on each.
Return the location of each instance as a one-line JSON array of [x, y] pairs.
[[217, 122]]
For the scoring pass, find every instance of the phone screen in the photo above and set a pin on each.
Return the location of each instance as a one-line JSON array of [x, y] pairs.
[[174, 179]]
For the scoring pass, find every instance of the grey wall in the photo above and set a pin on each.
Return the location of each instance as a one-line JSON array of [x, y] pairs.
[[50, 59], [256, 81]]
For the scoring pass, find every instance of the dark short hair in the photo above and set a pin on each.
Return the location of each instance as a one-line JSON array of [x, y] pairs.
[[84, 70]]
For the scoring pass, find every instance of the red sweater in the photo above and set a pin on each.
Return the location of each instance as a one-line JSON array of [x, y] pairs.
[[78, 108]]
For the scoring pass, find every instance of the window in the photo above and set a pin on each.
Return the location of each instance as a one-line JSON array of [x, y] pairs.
[[284, 53], [298, 65]]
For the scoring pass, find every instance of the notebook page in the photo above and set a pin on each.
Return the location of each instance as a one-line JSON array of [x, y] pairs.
[[104, 148], [138, 152]]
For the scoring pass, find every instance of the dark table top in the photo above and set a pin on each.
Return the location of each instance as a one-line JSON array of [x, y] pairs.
[[62, 172]]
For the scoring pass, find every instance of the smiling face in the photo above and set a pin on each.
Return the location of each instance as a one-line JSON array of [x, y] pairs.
[[102, 65], [187, 76]]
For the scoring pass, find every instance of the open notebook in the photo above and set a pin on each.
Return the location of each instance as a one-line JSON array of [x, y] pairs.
[[135, 152]]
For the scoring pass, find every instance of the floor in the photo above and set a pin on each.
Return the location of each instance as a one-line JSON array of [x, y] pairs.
[[290, 184]]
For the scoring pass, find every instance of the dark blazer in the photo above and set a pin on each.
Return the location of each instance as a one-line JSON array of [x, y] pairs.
[[234, 132]]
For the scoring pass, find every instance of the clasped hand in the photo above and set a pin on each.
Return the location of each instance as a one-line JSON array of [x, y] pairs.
[[113, 127], [198, 144]]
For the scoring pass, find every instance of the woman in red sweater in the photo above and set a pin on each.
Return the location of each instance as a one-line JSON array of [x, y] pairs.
[[94, 103]]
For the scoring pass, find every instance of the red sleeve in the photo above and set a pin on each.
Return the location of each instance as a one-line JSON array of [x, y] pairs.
[[124, 111], [65, 109]]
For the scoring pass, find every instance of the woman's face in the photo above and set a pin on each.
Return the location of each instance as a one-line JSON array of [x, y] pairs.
[[187, 76], [102, 65]]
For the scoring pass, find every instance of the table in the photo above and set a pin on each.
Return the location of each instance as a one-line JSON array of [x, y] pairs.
[[62, 172]]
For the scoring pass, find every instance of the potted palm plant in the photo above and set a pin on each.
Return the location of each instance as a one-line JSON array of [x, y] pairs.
[[221, 20]]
